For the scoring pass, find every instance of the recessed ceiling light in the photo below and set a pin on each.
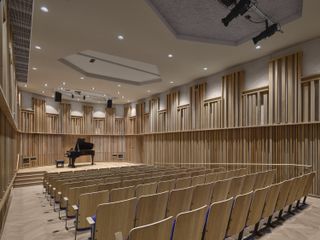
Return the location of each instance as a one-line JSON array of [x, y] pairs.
[[122, 97], [44, 9], [92, 88], [42, 91], [258, 47], [205, 68], [37, 47], [118, 93], [119, 85], [25, 85], [52, 96], [170, 56], [82, 78], [61, 88], [172, 82], [120, 37], [148, 90], [63, 83], [104, 95], [46, 84], [78, 100], [128, 101], [34, 68]]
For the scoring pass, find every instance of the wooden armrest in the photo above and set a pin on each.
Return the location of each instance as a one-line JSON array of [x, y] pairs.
[[75, 207], [90, 221], [66, 199]]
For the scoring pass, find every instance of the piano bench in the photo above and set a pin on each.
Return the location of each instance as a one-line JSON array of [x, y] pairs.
[[59, 163]]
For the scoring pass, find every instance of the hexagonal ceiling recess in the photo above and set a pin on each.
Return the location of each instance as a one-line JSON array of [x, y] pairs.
[[112, 68], [200, 20]]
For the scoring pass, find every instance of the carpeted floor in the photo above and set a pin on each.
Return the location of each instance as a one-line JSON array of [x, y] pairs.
[[31, 218]]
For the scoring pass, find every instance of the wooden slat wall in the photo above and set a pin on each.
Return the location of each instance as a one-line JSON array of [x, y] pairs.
[[153, 118], [88, 119], [184, 117], [39, 108], [65, 118], [232, 86], [26, 121], [52, 123], [255, 107], [99, 125], [310, 99], [197, 96], [212, 113], [162, 121], [284, 89], [172, 113], [40, 145]]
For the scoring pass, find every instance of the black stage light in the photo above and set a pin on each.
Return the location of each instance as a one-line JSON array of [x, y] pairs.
[[72, 96], [270, 30], [241, 8], [92, 60], [57, 96], [84, 97], [228, 3], [109, 103]]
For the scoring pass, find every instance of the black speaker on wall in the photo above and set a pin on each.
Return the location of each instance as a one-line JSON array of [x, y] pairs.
[[109, 103], [57, 96]]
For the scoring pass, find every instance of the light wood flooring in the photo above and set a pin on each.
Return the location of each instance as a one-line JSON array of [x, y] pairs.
[[79, 166], [31, 218]]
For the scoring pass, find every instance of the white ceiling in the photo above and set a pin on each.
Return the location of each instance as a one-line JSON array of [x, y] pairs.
[[73, 26]]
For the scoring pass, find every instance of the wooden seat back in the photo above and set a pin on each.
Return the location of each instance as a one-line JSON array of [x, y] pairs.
[[235, 186], [239, 214], [301, 186], [146, 189], [309, 183], [211, 177], [220, 190], [119, 194], [156, 231], [151, 208], [257, 206], [283, 194], [183, 182], [293, 191], [166, 185], [271, 200], [116, 218], [189, 225], [88, 203], [199, 179], [248, 183], [109, 186], [260, 180], [201, 195], [218, 219], [269, 178], [179, 201], [134, 182]]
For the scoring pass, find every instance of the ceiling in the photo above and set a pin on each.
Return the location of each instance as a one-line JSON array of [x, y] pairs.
[[200, 20], [74, 26]]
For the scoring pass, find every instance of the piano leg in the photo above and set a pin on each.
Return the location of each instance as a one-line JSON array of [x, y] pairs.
[[92, 159], [73, 161], [70, 162]]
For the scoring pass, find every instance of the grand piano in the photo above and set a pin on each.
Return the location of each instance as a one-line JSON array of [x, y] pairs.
[[82, 148]]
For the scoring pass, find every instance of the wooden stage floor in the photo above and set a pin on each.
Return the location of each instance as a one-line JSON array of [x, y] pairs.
[[79, 166]]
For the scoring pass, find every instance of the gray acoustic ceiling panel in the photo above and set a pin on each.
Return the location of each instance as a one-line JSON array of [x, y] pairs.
[[20, 14], [200, 20]]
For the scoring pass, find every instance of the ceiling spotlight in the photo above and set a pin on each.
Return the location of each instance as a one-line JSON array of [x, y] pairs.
[[37, 47], [61, 88], [82, 78], [119, 85], [52, 96], [46, 84], [44, 9], [63, 83], [258, 47], [34, 68], [78, 100], [120, 37], [270, 30], [239, 9], [172, 82], [92, 88], [84, 97], [128, 101], [25, 85], [170, 56], [92, 60], [205, 68], [148, 91], [42, 91], [72, 96], [118, 93], [104, 95], [122, 97]]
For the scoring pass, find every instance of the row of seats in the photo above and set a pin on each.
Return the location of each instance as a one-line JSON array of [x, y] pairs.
[[179, 199], [214, 221]]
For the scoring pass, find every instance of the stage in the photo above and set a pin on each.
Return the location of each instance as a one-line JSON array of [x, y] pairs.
[[79, 166]]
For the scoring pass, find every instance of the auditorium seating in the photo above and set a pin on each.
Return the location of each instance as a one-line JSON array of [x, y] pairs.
[[236, 200]]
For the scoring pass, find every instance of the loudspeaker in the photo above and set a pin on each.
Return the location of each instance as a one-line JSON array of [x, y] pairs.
[[57, 96], [109, 103]]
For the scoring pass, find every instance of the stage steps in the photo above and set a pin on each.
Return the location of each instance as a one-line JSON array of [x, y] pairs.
[[24, 179]]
